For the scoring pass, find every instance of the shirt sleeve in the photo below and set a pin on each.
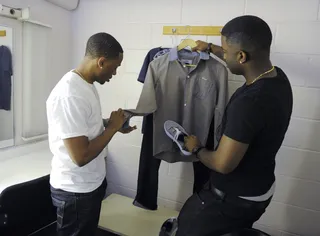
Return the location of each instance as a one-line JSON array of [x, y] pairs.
[[244, 120], [222, 100], [147, 103], [144, 68], [70, 116]]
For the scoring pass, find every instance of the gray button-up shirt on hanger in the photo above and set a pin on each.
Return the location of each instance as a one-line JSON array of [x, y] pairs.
[[189, 88]]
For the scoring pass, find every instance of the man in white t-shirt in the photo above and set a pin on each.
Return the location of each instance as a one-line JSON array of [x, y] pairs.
[[78, 137]]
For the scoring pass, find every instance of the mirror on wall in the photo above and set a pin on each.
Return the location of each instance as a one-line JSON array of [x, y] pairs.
[[6, 87]]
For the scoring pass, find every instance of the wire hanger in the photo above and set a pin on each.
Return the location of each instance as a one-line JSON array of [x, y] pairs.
[[187, 42]]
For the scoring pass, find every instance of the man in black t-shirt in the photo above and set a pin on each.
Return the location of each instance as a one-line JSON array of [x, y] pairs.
[[254, 125]]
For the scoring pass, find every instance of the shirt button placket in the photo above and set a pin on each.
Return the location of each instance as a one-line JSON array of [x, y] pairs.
[[185, 102]]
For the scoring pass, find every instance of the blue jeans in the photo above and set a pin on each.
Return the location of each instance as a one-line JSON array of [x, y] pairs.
[[78, 213]]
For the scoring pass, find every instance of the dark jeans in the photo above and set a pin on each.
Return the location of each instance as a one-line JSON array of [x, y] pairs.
[[78, 213], [208, 214]]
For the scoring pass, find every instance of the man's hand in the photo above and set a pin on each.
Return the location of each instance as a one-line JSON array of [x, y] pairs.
[[128, 130], [191, 142], [201, 46], [116, 121]]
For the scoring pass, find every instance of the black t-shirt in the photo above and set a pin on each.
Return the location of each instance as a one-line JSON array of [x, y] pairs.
[[258, 115]]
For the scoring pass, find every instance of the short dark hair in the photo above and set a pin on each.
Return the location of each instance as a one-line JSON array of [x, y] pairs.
[[103, 45], [250, 32]]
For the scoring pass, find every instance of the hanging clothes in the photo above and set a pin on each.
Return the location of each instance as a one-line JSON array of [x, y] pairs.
[[5, 78], [152, 55], [190, 95], [148, 176]]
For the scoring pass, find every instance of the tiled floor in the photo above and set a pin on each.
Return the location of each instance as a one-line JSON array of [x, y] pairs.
[[119, 215]]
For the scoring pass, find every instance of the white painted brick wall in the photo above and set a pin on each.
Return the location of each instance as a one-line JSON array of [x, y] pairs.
[[295, 24], [273, 10], [298, 37], [211, 12]]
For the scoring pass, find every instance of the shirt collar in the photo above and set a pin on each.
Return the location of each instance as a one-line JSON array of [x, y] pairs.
[[174, 54]]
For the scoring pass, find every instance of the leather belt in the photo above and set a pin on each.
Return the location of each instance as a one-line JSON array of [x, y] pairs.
[[224, 197]]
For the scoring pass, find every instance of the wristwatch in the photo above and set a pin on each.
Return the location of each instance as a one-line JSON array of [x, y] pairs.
[[209, 47], [196, 151]]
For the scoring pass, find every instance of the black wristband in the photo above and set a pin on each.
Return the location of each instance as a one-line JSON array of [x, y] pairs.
[[197, 151]]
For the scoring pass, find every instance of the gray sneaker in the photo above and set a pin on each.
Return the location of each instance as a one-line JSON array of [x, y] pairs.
[[177, 133]]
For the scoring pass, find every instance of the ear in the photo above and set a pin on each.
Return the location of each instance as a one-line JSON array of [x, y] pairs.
[[101, 62], [242, 57]]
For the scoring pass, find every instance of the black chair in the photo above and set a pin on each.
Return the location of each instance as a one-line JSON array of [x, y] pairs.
[[26, 208]]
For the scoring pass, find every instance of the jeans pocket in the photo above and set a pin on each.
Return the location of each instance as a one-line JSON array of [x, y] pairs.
[[60, 205]]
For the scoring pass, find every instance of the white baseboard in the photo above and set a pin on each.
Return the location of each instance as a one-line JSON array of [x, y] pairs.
[[6, 143]]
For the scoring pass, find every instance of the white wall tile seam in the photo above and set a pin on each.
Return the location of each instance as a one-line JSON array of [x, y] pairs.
[[309, 55], [297, 207], [133, 73], [145, 48], [181, 179], [136, 146], [268, 226], [318, 11], [235, 80], [300, 179], [309, 88], [181, 10], [302, 86], [307, 119], [275, 38], [245, 7], [306, 86], [135, 49], [283, 22], [121, 165], [296, 53], [285, 232], [150, 22], [299, 149]]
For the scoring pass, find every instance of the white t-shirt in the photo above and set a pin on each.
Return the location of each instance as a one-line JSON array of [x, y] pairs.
[[73, 109]]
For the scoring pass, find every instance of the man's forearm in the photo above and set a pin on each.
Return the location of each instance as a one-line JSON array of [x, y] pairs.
[[217, 50], [212, 161], [95, 146], [206, 157]]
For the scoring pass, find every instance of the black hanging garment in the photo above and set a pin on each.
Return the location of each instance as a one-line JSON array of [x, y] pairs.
[[5, 78]]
